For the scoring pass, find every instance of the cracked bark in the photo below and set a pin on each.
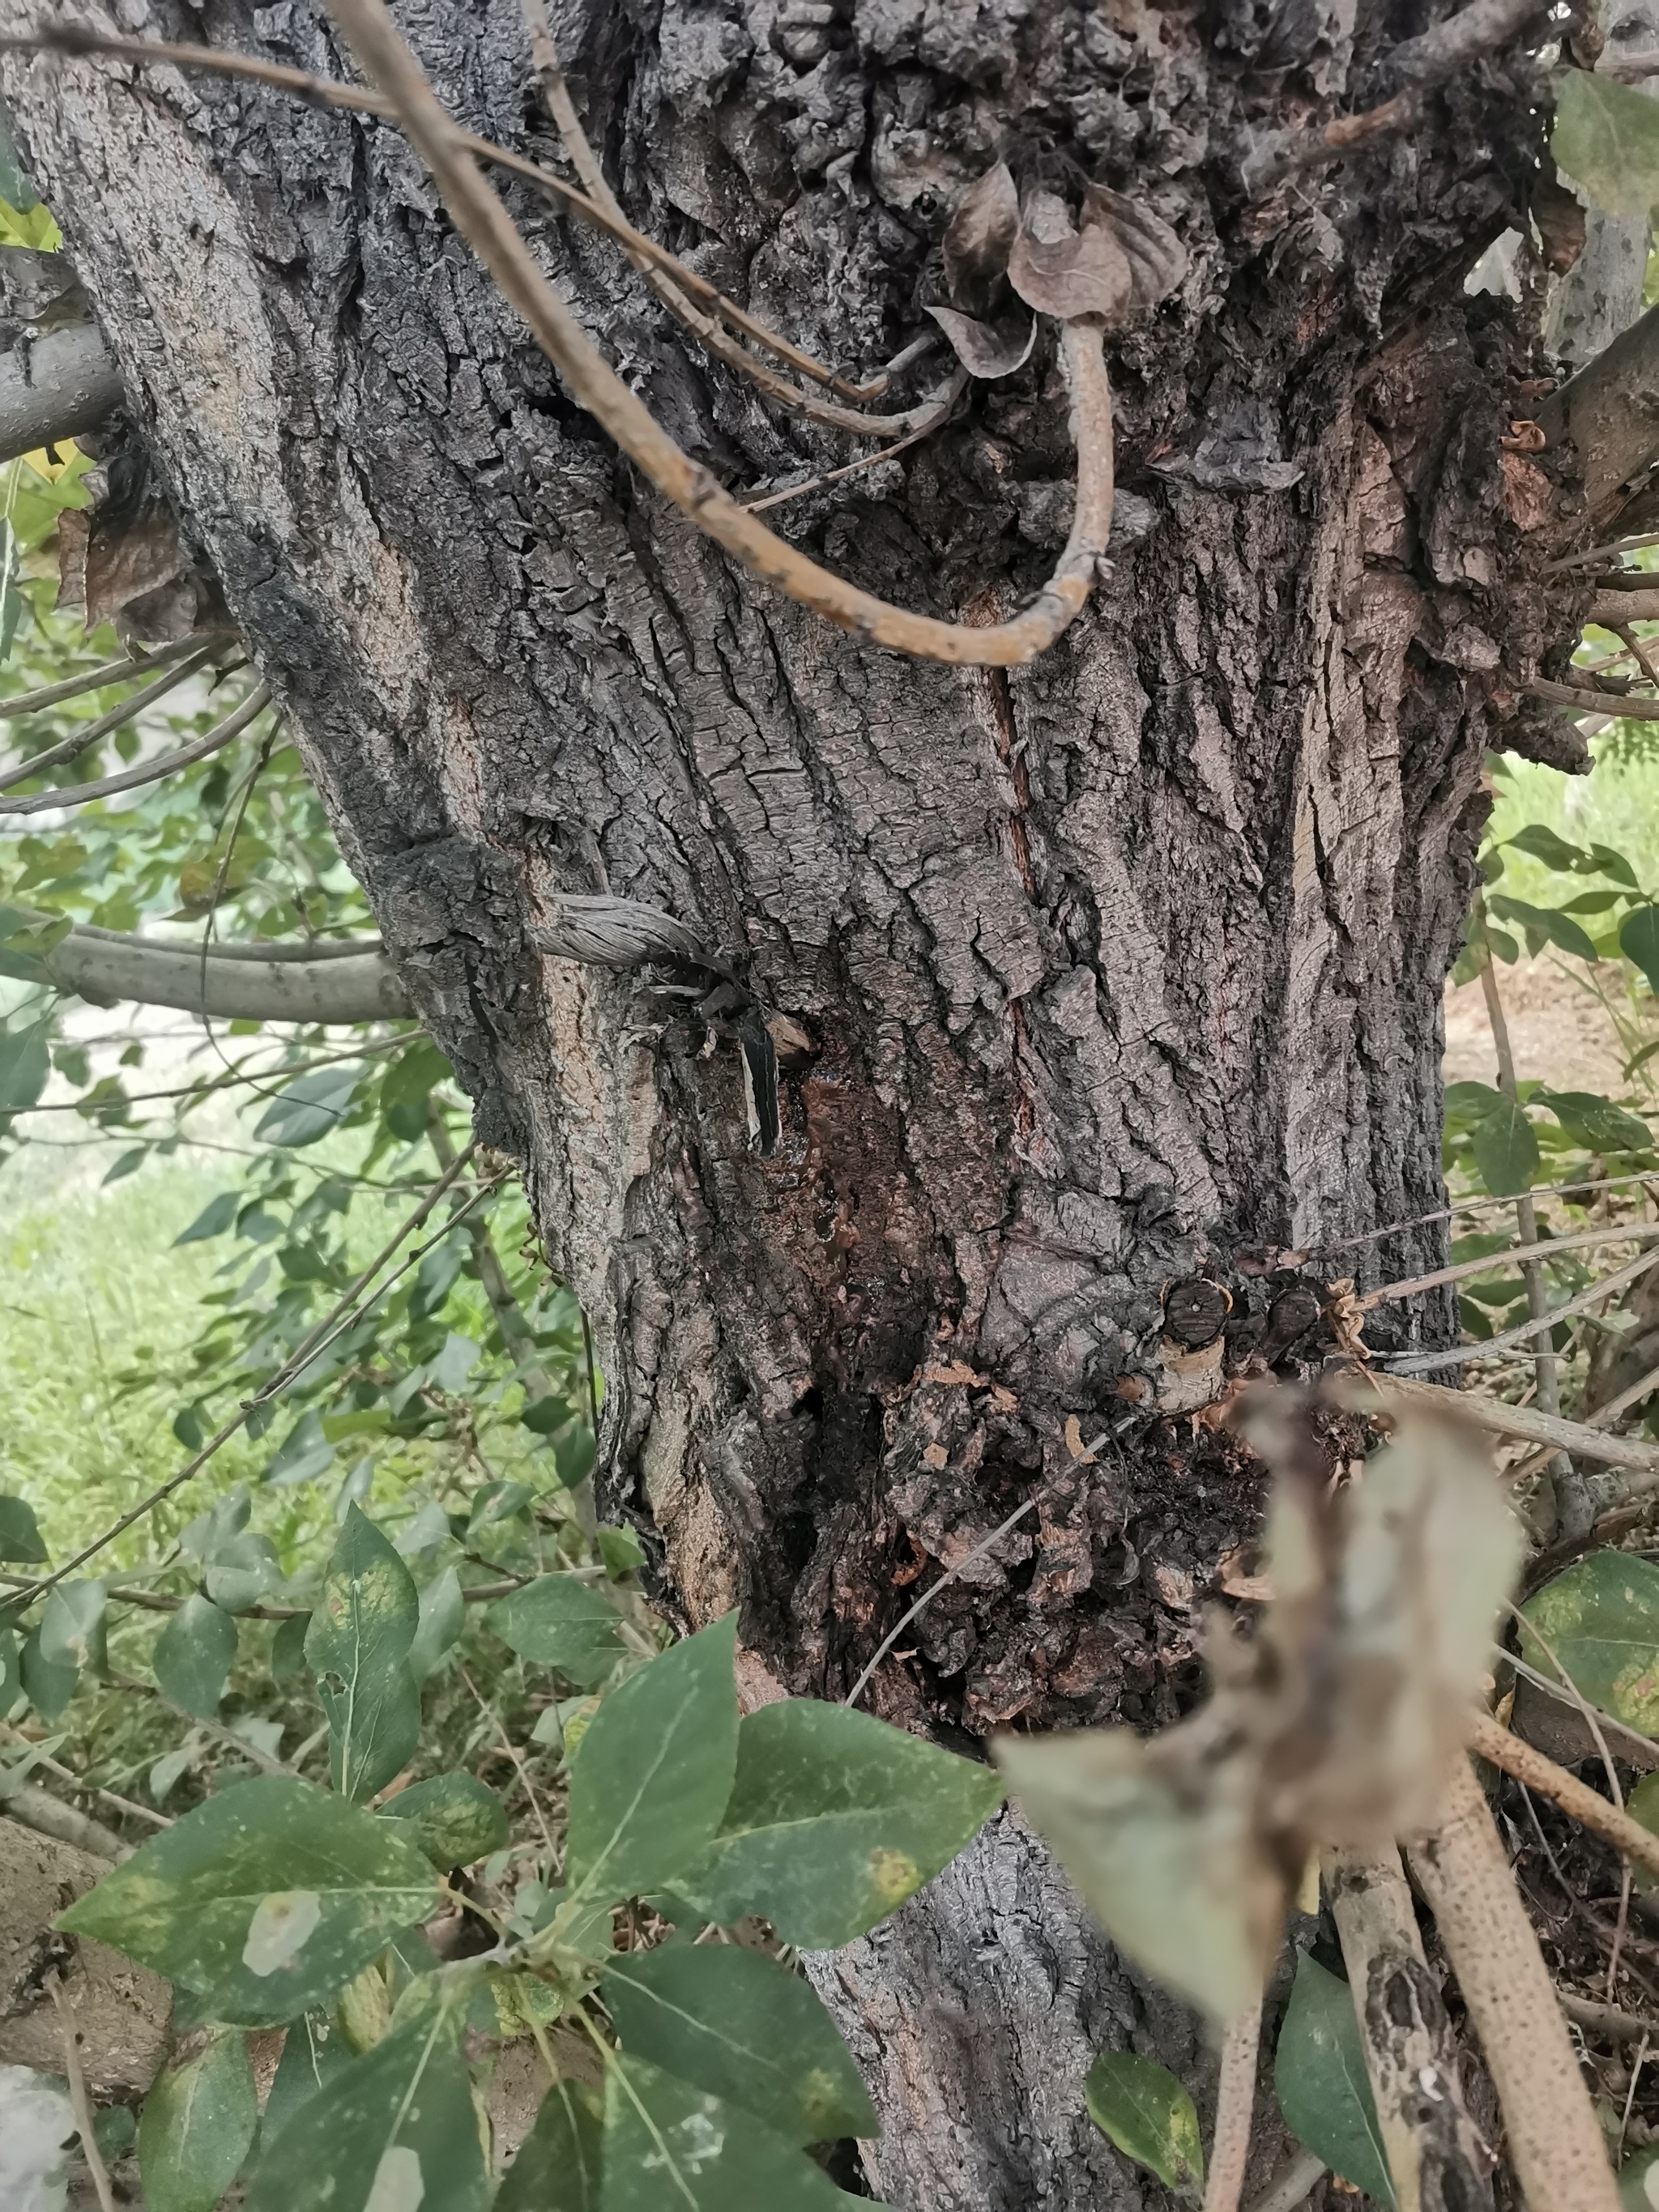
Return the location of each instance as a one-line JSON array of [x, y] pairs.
[[1117, 969]]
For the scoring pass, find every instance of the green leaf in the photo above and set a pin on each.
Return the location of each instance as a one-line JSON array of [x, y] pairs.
[[739, 2024], [1470, 1101], [1639, 935], [560, 2162], [72, 1625], [186, 1902], [1505, 1149], [242, 1571], [1602, 1621], [559, 1620], [1548, 924], [25, 1065], [199, 2122], [313, 2053], [834, 1819], [541, 1416], [442, 1615], [48, 1683], [651, 1774], [1596, 1122], [20, 1532], [11, 599], [1606, 862], [392, 2131], [1639, 2182], [1141, 2107], [358, 1645], [313, 1107], [621, 1550], [452, 1817], [412, 1075], [668, 2145], [1319, 2071], [287, 1647], [304, 1454], [194, 1655], [1607, 136], [215, 1217], [1554, 851]]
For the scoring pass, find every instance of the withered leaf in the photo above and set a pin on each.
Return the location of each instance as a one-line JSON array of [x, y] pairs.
[[1062, 271], [977, 243], [1156, 257], [1162, 1842], [983, 349]]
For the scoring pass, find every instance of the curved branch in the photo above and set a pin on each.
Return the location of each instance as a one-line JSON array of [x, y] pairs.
[[129, 667], [319, 985], [89, 734], [54, 385], [147, 771], [1617, 704], [1517, 1758]]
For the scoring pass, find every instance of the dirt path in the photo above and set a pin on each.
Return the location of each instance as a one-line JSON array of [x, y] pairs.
[[1560, 1033]]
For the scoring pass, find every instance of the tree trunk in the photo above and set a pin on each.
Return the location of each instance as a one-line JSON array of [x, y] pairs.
[[1122, 967]]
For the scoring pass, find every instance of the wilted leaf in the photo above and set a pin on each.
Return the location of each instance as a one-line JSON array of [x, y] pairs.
[[981, 234], [1324, 2092], [358, 1644], [453, 1817], [194, 1655], [981, 349], [651, 1775], [197, 2124], [1062, 271], [834, 1819], [1607, 136], [666, 2143], [1601, 1618], [736, 2023], [1143, 2110], [186, 1901], [1156, 256]]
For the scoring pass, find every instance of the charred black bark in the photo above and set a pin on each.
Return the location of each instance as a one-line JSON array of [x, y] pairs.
[[1120, 971]]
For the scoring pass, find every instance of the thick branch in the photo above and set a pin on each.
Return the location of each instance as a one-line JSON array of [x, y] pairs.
[[1610, 410], [251, 983], [1524, 1422], [54, 387]]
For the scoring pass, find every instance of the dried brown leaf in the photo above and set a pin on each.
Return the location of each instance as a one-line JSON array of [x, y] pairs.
[[1060, 271], [1156, 257], [981, 233], [983, 349]]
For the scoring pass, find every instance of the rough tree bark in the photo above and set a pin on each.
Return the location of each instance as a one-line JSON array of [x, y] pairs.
[[1122, 969]]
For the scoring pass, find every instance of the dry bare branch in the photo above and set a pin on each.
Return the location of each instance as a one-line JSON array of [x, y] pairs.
[[91, 733], [1518, 1758], [149, 771], [1230, 2152]]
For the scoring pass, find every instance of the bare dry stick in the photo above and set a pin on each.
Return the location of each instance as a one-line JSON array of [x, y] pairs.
[[1434, 2150], [1620, 703], [1517, 1758], [1458, 1355], [89, 734], [149, 771], [1602, 1417], [477, 211], [928, 1597], [124, 671], [645, 253], [1526, 1422], [939, 414], [1635, 1232], [1230, 2154], [79, 2100], [1555, 2139], [1291, 2185]]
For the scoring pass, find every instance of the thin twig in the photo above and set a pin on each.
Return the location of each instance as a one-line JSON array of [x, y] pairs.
[[603, 213], [951, 1574], [1230, 2152], [477, 212], [1593, 553], [1458, 1355], [79, 2100], [124, 671], [316, 1341], [947, 399], [520, 1762], [1605, 2019], [150, 771], [1518, 1758], [90, 733], [1602, 1417], [1619, 705], [1477, 1206], [1548, 1247], [1524, 1422]]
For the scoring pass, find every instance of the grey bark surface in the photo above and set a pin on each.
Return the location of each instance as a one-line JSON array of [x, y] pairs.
[[1121, 968]]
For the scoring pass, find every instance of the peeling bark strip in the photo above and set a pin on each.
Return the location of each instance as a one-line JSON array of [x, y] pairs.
[[1118, 971]]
